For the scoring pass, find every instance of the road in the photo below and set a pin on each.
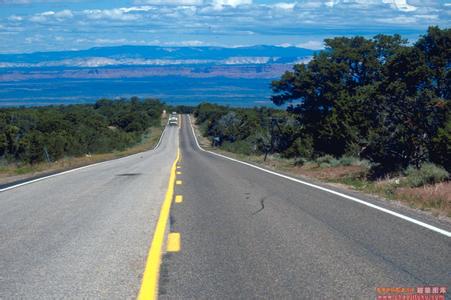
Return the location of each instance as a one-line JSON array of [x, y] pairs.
[[84, 234], [245, 234], [248, 234]]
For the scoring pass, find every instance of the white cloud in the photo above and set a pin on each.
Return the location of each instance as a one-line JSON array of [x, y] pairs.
[[398, 20], [311, 4], [313, 45], [64, 14], [285, 45], [47, 13], [331, 3], [427, 17], [33, 39], [136, 9], [188, 43], [117, 14], [110, 41], [171, 2], [234, 3], [38, 18], [45, 16], [284, 5], [15, 18], [402, 5]]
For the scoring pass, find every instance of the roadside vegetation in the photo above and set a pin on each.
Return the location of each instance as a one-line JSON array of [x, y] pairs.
[[370, 113], [51, 138]]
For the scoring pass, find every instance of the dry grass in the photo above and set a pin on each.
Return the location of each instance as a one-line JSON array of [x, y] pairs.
[[331, 173], [435, 198], [203, 141], [13, 172]]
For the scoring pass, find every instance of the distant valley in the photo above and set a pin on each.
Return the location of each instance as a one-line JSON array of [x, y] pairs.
[[178, 75]]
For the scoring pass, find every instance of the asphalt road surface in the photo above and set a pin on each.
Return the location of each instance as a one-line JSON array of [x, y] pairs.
[[248, 234], [84, 234]]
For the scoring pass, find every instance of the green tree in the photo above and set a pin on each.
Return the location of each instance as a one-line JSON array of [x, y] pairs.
[[436, 47]]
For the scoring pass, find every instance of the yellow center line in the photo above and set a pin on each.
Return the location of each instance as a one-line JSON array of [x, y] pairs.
[[178, 199], [174, 243], [149, 284]]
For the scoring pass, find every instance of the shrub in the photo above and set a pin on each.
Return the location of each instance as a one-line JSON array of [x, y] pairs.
[[348, 161], [364, 163], [300, 161], [240, 147], [334, 163], [300, 147], [427, 174], [327, 161]]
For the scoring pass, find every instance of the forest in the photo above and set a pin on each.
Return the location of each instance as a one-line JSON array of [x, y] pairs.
[[379, 99], [36, 134]]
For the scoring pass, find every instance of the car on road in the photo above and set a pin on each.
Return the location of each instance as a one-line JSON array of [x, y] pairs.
[[173, 120]]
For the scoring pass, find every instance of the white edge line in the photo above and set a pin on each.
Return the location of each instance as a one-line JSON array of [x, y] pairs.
[[77, 169], [401, 216], [159, 141]]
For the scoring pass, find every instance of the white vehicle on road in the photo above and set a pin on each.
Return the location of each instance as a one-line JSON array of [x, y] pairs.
[[173, 119]]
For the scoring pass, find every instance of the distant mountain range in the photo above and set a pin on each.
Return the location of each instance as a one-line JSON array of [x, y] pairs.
[[236, 76], [157, 56]]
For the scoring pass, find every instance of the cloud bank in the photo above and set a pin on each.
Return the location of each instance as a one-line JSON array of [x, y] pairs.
[[80, 23]]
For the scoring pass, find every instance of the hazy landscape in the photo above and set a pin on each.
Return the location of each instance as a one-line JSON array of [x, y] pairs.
[[177, 75]]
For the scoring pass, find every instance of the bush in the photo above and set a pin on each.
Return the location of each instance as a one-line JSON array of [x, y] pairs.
[[427, 174], [348, 161], [300, 161], [327, 161], [364, 163], [240, 147], [300, 147]]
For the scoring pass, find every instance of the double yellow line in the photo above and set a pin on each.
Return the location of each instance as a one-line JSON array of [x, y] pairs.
[[149, 284]]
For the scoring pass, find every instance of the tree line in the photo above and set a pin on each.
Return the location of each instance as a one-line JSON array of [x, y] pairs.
[[37, 134], [380, 99]]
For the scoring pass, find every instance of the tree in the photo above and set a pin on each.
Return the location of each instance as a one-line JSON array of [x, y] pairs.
[[440, 147], [36, 134], [325, 91], [436, 47], [379, 98]]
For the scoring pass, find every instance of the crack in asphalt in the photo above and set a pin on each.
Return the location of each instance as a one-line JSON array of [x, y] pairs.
[[129, 174], [262, 203]]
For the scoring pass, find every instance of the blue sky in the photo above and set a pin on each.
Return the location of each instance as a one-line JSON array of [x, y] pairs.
[[42, 25]]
